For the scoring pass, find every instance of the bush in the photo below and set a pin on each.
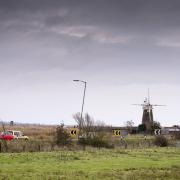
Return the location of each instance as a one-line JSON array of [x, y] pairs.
[[161, 141], [177, 136], [142, 128], [62, 137], [95, 142], [155, 125]]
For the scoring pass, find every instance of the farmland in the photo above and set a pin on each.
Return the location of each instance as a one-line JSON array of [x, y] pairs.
[[132, 158], [43, 138], [154, 163]]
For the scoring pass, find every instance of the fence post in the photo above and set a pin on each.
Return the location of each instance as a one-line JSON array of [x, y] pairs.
[[52, 146], [125, 145], [149, 143], [24, 148], [0, 147]]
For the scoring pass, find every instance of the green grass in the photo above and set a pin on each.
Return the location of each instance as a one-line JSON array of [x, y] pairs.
[[156, 163]]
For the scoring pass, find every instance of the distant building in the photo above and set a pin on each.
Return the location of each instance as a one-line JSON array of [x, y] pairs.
[[171, 130]]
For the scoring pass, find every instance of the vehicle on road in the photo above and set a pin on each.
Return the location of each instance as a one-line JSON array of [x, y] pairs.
[[6, 136], [17, 134]]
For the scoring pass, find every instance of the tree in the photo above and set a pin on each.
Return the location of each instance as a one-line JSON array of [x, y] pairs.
[[85, 125], [62, 137], [142, 128], [4, 141], [129, 125], [155, 125], [91, 132]]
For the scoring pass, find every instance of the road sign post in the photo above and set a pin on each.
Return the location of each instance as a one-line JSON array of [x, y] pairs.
[[117, 132], [157, 132], [74, 132]]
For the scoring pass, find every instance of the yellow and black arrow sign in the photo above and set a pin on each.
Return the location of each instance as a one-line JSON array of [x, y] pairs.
[[74, 132], [116, 132]]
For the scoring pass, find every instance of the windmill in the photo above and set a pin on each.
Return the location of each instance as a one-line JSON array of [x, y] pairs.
[[147, 117]]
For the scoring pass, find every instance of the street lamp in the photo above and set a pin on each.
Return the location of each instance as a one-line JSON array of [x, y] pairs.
[[83, 94]]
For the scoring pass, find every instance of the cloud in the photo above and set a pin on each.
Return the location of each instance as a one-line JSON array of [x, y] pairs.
[[171, 43], [74, 31], [108, 38], [92, 32], [125, 15], [111, 44], [69, 34]]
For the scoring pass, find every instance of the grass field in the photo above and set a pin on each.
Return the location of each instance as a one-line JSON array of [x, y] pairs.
[[155, 163]]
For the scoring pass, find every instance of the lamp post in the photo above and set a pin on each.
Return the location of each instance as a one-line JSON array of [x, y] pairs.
[[83, 95]]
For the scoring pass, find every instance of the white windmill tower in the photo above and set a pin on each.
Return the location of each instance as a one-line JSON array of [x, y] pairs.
[[147, 117]]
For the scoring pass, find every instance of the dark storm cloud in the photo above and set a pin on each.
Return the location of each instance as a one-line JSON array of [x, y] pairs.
[[71, 33], [115, 13]]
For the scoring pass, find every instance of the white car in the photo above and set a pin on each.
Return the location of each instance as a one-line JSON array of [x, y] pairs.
[[18, 134]]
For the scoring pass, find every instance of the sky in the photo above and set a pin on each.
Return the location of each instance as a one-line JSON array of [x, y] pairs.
[[120, 47]]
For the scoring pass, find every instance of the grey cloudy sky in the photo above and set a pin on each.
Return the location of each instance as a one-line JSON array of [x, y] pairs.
[[120, 47]]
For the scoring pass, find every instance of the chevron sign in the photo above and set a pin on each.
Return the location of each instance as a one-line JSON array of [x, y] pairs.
[[157, 132]]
